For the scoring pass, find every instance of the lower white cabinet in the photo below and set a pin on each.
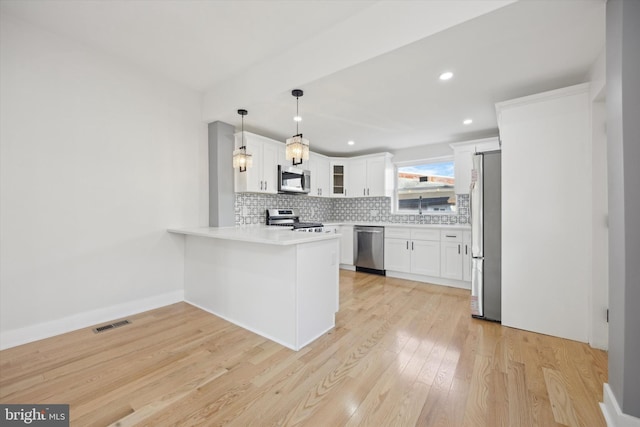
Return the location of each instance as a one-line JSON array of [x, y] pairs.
[[346, 244], [425, 257], [396, 255], [409, 251], [451, 253]]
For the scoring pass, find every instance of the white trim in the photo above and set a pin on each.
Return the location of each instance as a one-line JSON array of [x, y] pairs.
[[544, 96], [613, 415], [439, 159], [347, 267], [15, 337], [430, 279]]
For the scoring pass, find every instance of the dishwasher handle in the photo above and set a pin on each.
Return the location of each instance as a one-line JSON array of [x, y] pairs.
[[369, 231]]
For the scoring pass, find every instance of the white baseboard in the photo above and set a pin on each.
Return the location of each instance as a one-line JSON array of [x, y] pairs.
[[429, 279], [40, 331], [612, 412]]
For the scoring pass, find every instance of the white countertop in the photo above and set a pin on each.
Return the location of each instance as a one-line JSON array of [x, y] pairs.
[[256, 234], [403, 225]]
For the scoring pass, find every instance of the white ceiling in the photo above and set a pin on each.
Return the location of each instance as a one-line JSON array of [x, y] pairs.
[[369, 69]]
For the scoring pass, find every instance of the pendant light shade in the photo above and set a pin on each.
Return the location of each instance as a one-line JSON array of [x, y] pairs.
[[297, 147], [241, 158]]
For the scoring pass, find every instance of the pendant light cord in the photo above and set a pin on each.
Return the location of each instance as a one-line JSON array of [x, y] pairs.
[[298, 116]]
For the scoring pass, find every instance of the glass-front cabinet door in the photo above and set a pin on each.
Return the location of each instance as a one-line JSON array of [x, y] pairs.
[[338, 179]]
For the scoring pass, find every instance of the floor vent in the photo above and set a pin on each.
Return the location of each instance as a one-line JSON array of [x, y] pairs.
[[111, 326]]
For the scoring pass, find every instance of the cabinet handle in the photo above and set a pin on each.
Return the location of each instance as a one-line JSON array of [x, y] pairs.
[[411, 245], [458, 249], [449, 235], [345, 192], [367, 191], [364, 191], [260, 185], [407, 245], [265, 186], [465, 249]]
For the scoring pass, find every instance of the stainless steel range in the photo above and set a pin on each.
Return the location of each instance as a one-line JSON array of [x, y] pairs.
[[290, 218]]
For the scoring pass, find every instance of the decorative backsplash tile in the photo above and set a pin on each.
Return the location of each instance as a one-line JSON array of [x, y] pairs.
[[250, 208]]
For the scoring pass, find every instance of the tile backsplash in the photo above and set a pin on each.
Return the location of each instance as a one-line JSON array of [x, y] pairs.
[[250, 209]]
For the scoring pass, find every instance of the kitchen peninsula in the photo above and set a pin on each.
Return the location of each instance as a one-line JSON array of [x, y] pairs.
[[277, 283]]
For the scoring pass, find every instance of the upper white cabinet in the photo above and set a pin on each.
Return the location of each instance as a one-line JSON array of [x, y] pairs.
[[462, 152], [370, 176], [338, 174], [319, 167], [362, 176], [263, 176]]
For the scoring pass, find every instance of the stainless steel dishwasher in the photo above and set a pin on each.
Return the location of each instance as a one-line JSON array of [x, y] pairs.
[[368, 249]]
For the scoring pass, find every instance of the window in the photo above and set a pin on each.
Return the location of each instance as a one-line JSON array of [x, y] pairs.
[[427, 187]]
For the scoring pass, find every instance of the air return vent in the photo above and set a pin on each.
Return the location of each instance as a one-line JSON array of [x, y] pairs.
[[111, 326]]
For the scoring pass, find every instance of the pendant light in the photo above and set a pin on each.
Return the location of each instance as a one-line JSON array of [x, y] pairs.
[[241, 159], [297, 148]]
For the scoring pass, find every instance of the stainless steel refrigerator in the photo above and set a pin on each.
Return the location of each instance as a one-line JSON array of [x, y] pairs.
[[486, 219]]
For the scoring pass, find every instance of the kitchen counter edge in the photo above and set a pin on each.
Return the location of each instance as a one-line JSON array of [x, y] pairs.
[[257, 234], [402, 225]]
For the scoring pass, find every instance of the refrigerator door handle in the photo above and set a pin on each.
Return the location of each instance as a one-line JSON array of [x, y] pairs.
[[476, 206]]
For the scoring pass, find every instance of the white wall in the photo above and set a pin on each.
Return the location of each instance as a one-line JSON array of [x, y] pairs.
[[546, 212], [98, 158]]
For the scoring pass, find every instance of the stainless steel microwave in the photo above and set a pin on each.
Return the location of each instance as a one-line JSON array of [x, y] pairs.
[[293, 180]]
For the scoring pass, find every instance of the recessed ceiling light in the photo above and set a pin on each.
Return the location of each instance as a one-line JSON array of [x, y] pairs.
[[446, 76], [467, 122], [351, 142], [297, 119]]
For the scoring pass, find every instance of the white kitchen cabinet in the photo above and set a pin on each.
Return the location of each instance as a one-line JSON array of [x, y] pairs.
[[370, 176], [397, 256], [320, 180], [462, 152], [357, 183], [412, 251], [262, 177], [466, 256], [338, 174], [451, 259], [346, 244], [425, 257]]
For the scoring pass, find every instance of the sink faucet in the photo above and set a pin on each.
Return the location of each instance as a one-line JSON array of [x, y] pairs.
[[420, 205]]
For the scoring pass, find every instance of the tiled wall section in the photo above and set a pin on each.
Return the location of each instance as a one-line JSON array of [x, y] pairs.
[[378, 209], [250, 209]]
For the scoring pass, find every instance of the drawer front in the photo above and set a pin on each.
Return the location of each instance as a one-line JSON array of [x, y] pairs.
[[397, 233], [451, 235], [466, 236], [418, 234]]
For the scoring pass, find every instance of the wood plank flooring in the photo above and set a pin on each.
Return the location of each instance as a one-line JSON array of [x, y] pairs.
[[402, 354]]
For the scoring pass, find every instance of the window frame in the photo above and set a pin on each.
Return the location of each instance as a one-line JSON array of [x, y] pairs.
[[395, 208]]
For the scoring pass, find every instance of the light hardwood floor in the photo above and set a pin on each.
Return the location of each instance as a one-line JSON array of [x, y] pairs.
[[402, 354]]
